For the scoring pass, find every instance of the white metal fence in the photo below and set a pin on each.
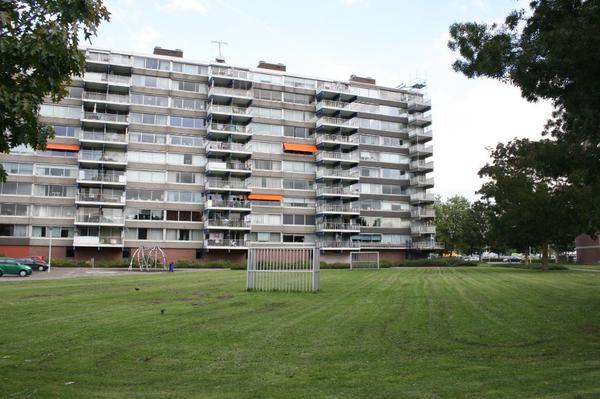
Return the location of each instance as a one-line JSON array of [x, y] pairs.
[[283, 269], [364, 260]]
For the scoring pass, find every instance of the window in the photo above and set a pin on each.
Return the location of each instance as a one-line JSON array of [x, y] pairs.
[[270, 113], [266, 219], [391, 189], [266, 129], [146, 176], [151, 63], [55, 191], [367, 188], [13, 230], [53, 211], [298, 132], [184, 177], [60, 111], [56, 171], [150, 81], [369, 139], [271, 79], [293, 238], [17, 168], [146, 99], [393, 158], [297, 184], [14, 209], [144, 234], [66, 131], [265, 164], [369, 156], [185, 159], [298, 166], [187, 141], [308, 220], [145, 195], [369, 172], [195, 87], [54, 231], [298, 202], [391, 142], [183, 235], [146, 157], [299, 82], [297, 98], [149, 138], [187, 122], [184, 196], [267, 95], [144, 214], [391, 173], [14, 188], [268, 148], [264, 182], [302, 116], [184, 216], [190, 68], [149, 119], [188, 103], [56, 153]]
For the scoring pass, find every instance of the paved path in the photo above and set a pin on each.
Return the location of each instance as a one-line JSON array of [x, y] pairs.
[[71, 272]]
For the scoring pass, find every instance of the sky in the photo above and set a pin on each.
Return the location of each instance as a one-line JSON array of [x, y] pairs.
[[393, 41]]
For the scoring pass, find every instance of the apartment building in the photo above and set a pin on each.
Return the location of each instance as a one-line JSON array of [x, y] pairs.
[[206, 159]]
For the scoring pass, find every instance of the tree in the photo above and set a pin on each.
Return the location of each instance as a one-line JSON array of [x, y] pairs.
[[526, 207], [39, 52], [450, 219], [476, 228], [550, 52]]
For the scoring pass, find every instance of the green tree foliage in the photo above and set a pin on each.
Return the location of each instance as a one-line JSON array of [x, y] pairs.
[[551, 52], [450, 217], [476, 231], [39, 54], [526, 207]]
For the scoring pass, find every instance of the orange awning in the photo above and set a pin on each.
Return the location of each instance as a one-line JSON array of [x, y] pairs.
[[300, 147], [266, 197], [64, 147]]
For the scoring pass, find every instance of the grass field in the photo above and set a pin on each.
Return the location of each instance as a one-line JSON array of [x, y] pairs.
[[393, 333]]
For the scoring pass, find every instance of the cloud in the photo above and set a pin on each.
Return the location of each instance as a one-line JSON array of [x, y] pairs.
[[197, 6], [145, 40]]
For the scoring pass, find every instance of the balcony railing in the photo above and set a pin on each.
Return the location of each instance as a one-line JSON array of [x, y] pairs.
[[97, 197], [228, 109], [328, 120], [337, 208], [230, 73], [337, 138], [338, 244], [422, 229], [353, 156], [422, 197], [338, 226], [423, 213], [114, 98], [227, 223], [371, 244], [427, 245], [421, 164], [332, 104], [230, 128], [422, 181], [334, 87], [228, 204], [116, 59], [222, 146], [101, 136], [224, 243], [338, 190], [89, 241], [419, 119], [86, 155], [229, 165], [216, 183], [106, 117], [420, 133], [227, 91], [103, 77], [99, 219], [420, 148], [347, 173], [94, 175]]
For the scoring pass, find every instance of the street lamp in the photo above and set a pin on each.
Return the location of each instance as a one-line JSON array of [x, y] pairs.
[[50, 251]]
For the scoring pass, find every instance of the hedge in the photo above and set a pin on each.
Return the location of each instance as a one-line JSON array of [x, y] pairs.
[[214, 264], [533, 266]]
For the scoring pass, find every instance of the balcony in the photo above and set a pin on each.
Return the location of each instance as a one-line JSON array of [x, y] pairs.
[[335, 108], [97, 220], [230, 74], [420, 135], [338, 245], [339, 209], [421, 166], [421, 150], [106, 178], [226, 93], [385, 245], [225, 244], [226, 224], [100, 199], [422, 198], [338, 191], [89, 156], [427, 245], [103, 138], [335, 91], [423, 213], [418, 104], [103, 78], [422, 182], [338, 227], [226, 185], [338, 157], [97, 241], [419, 120], [106, 118], [228, 205], [351, 174], [104, 58], [221, 148], [343, 141], [422, 229], [240, 113], [229, 167], [223, 131], [105, 98], [331, 123]]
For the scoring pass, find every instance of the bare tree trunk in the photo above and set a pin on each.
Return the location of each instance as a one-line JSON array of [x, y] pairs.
[[545, 257]]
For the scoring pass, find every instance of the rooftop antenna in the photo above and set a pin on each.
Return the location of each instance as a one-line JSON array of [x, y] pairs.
[[219, 43]]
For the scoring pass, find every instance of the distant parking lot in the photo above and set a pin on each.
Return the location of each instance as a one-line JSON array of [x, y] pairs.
[[72, 272]]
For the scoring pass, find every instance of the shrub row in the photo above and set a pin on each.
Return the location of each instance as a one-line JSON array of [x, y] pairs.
[[124, 263], [61, 262], [533, 266], [406, 263], [214, 264]]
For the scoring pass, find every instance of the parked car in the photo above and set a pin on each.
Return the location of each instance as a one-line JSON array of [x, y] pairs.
[[34, 263], [512, 259], [12, 266]]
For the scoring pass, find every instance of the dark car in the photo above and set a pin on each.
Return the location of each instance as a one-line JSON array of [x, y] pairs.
[[34, 263]]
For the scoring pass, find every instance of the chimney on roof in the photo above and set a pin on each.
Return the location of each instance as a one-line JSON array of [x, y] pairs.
[[165, 51], [360, 79], [268, 65]]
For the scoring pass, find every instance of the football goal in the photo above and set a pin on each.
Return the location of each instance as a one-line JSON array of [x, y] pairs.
[[364, 260]]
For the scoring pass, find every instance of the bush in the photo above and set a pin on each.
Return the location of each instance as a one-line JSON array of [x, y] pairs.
[[443, 262], [533, 266], [335, 265], [214, 264], [62, 262]]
